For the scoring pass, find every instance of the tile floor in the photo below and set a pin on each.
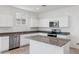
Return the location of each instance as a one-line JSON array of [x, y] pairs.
[[25, 50]]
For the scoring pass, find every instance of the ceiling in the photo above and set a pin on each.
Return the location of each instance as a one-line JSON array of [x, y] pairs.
[[41, 8]]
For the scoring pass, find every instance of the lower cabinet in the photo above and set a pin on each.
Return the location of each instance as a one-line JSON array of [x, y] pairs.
[[24, 40], [63, 36], [4, 43]]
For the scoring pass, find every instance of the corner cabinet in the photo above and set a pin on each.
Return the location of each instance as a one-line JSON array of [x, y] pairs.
[[6, 20]]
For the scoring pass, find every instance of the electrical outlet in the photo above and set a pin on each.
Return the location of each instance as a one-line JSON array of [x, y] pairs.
[[77, 43]]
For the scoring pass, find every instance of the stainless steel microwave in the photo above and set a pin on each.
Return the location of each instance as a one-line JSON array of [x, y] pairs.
[[54, 24]]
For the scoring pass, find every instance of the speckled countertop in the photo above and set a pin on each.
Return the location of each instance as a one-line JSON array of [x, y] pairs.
[[50, 40]]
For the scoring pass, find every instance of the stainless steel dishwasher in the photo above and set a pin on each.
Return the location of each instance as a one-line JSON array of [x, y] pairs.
[[14, 41]]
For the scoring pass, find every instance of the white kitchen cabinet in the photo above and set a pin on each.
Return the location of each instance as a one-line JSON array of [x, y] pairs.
[[4, 43], [18, 15], [33, 22], [21, 19], [54, 19], [63, 36], [63, 21], [24, 40], [43, 22], [6, 21]]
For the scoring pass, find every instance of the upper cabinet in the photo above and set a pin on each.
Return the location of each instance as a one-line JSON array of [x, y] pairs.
[[33, 22], [6, 20], [63, 21], [27, 20], [43, 22], [21, 19]]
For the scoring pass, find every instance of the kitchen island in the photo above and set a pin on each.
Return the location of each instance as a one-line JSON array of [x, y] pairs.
[[48, 45]]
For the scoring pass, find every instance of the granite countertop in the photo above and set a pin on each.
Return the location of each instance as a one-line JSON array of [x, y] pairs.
[[50, 40], [27, 32], [61, 33]]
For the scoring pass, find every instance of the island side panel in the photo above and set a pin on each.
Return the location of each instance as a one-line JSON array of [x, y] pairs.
[[66, 48], [37, 47]]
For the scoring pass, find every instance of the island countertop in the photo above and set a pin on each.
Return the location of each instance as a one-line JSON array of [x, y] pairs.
[[50, 40]]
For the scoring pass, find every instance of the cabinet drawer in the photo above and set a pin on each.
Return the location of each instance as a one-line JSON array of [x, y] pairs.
[[62, 36]]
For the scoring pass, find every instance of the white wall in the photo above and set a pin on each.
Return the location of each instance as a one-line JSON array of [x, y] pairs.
[[12, 11], [73, 13]]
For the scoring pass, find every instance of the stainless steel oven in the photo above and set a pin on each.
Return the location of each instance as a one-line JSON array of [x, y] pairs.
[[54, 24], [54, 32]]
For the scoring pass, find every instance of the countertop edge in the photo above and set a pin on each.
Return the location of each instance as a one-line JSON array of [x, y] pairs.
[[28, 32]]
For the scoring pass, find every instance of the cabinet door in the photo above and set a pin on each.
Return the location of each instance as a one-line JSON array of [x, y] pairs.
[[62, 36], [33, 22], [24, 40], [63, 21], [4, 43], [43, 23], [54, 19], [6, 21]]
